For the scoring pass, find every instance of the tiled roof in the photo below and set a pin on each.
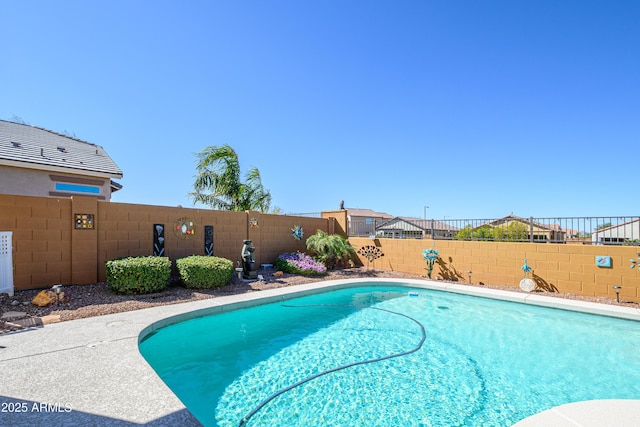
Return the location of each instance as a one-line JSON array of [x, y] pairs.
[[34, 145], [368, 213]]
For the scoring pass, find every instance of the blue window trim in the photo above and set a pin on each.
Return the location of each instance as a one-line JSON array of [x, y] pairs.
[[77, 188]]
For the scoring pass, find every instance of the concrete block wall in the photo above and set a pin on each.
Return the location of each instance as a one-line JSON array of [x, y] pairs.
[[272, 235], [41, 244], [48, 249], [127, 230], [556, 267], [338, 221]]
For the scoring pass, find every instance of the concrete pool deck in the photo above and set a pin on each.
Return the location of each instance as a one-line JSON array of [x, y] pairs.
[[90, 372]]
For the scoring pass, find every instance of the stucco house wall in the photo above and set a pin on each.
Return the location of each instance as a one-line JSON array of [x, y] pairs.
[[39, 162]]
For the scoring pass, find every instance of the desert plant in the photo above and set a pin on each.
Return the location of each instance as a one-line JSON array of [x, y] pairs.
[[204, 272], [330, 248], [299, 263], [138, 275]]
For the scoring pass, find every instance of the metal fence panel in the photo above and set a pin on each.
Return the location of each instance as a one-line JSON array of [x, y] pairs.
[[610, 230]]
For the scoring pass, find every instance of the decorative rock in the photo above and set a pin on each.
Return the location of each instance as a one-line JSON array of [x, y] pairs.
[[44, 298], [15, 302], [62, 298], [278, 274]]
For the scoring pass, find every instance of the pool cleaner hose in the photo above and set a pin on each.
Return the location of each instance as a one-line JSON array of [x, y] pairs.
[[247, 417]]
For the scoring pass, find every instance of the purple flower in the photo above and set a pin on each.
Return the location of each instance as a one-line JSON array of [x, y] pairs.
[[298, 262]]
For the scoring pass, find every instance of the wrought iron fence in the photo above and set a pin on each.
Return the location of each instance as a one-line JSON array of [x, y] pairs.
[[611, 230]]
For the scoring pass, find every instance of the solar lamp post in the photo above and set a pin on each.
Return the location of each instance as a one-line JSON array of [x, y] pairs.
[[617, 289]]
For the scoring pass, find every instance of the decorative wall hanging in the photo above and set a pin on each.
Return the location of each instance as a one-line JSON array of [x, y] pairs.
[[158, 239], [253, 222], [297, 232], [371, 253], [208, 240], [603, 261], [431, 256], [83, 221], [184, 228]]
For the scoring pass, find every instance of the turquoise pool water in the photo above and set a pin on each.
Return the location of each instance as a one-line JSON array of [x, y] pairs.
[[483, 362]]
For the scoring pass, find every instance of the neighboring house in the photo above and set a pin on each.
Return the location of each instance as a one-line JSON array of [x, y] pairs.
[[39, 162], [625, 233], [535, 231], [415, 228], [363, 222]]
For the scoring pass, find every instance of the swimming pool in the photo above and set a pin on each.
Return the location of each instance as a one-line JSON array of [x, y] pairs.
[[482, 361]]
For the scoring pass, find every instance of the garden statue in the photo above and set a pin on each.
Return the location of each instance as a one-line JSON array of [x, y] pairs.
[[527, 284], [249, 266], [431, 256]]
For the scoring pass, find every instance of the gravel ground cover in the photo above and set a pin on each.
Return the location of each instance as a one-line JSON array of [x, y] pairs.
[[97, 300]]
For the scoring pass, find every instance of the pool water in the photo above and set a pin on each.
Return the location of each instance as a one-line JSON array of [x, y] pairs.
[[484, 362]]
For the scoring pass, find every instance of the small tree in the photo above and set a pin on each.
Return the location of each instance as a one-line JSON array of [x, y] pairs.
[[330, 248]]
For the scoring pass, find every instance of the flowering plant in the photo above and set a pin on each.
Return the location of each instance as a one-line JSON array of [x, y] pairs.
[[300, 263], [431, 256]]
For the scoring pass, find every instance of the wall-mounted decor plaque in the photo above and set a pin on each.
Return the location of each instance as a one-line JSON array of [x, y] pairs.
[[83, 221], [184, 228]]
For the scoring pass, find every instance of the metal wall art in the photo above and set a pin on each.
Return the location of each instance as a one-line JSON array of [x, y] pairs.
[[83, 221], [208, 240], [184, 228], [371, 253], [158, 239], [297, 232]]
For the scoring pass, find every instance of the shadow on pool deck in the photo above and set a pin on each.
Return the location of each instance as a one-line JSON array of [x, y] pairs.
[[17, 413]]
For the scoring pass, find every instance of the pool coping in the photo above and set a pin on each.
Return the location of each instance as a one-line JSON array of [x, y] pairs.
[[90, 371]]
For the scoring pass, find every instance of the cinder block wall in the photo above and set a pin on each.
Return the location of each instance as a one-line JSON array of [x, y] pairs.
[[48, 249], [127, 230], [559, 267], [41, 237], [272, 235]]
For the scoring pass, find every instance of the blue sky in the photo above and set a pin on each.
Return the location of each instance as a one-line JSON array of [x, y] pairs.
[[474, 108]]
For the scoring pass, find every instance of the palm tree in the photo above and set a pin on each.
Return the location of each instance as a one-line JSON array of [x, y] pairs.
[[330, 248], [218, 182]]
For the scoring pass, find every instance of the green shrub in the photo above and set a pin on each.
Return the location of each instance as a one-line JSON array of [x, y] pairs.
[[138, 275], [204, 272]]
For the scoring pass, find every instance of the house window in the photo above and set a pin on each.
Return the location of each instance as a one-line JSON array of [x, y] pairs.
[[77, 188], [368, 221]]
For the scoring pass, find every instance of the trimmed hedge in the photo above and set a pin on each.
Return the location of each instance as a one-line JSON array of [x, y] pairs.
[[204, 272], [138, 275]]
